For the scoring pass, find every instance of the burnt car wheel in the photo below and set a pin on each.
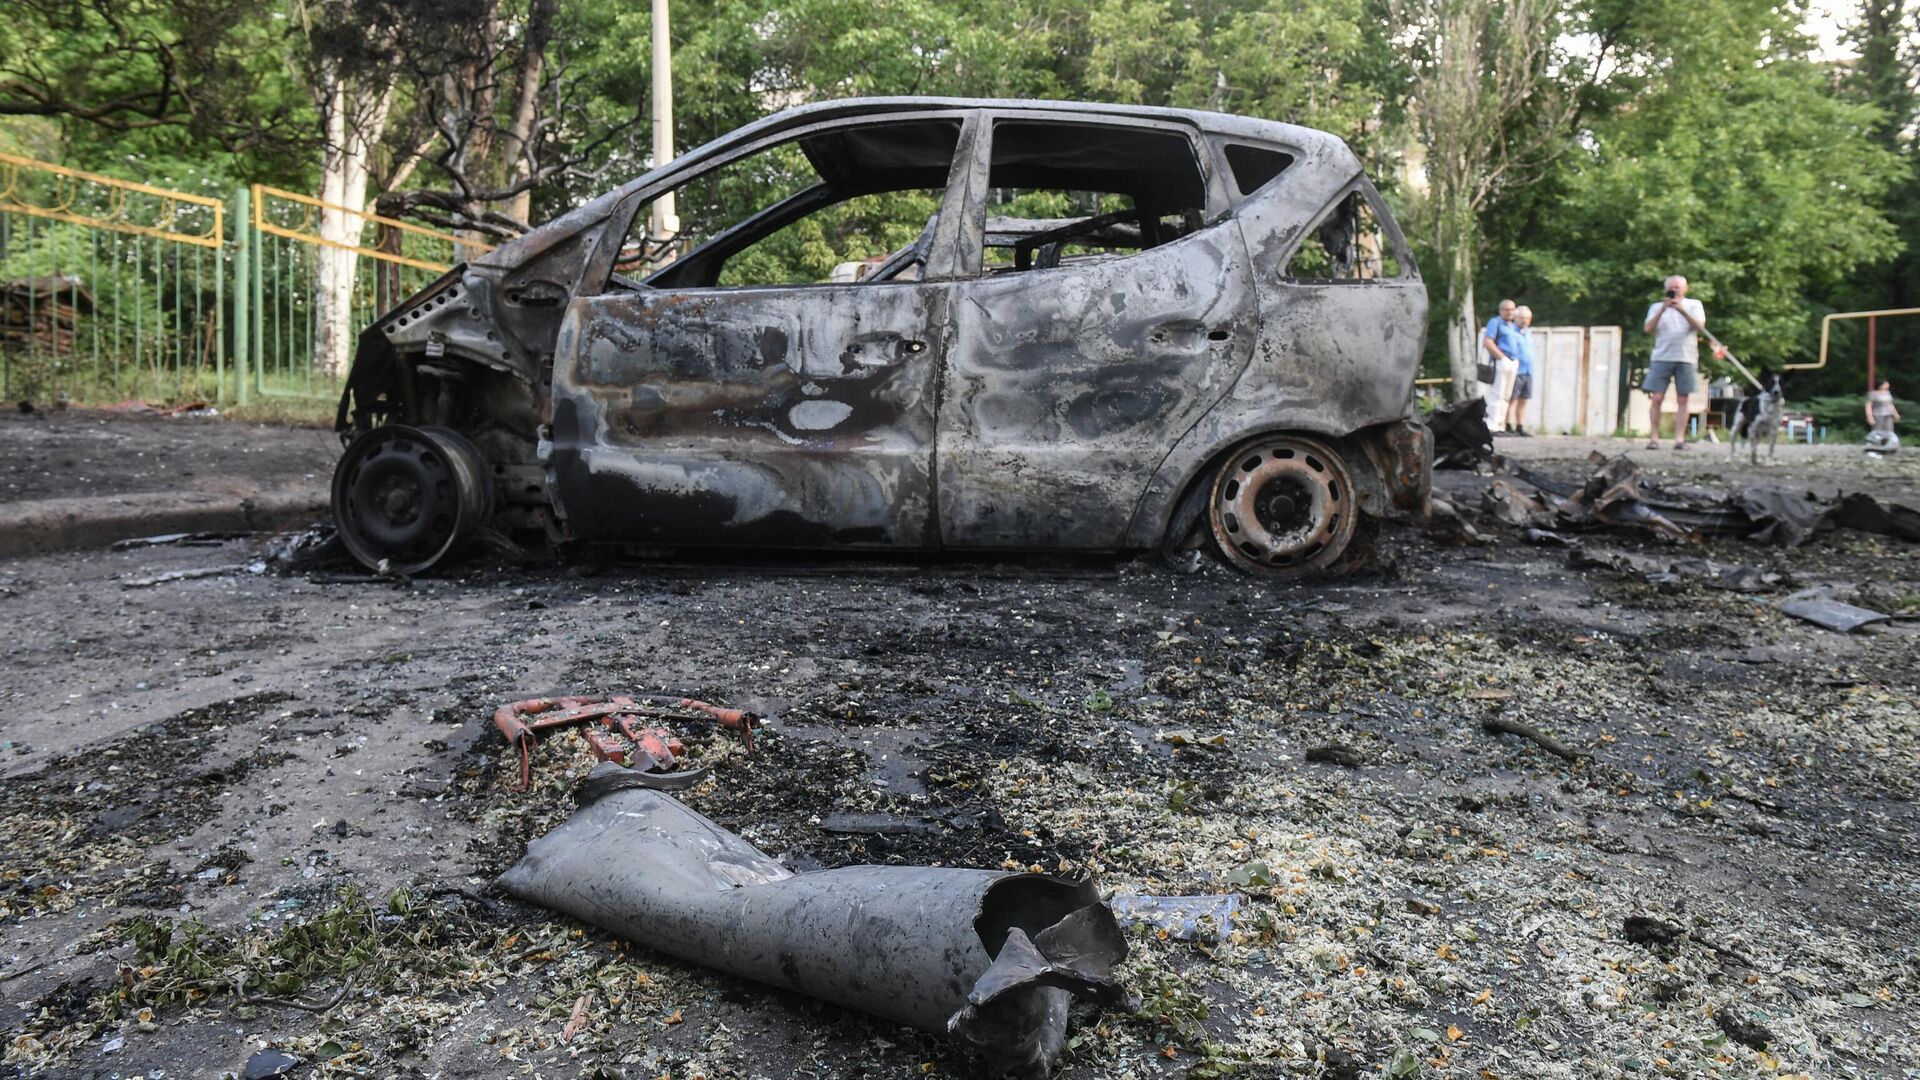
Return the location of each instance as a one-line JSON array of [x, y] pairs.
[[408, 497], [1283, 506]]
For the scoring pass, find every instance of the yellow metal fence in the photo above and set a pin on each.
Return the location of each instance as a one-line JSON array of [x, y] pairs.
[[113, 289]]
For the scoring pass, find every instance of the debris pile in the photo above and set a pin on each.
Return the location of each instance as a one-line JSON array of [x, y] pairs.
[[1616, 495], [1461, 438]]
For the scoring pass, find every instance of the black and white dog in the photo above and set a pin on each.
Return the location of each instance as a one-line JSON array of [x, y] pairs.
[[1759, 418]]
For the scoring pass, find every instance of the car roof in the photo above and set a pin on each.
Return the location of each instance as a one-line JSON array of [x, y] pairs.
[[1304, 138], [1311, 145]]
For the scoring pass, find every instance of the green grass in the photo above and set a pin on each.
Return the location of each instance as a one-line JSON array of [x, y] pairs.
[[99, 382]]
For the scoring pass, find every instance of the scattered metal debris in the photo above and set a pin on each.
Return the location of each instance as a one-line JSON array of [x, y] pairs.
[[185, 575], [265, 1064], [1615, 494], [1674, 575], [993, 958], [1509, 504], [1446, 524], [1461, 438], [183, 539], [1817, 606], [651, 750], [1184, 918]]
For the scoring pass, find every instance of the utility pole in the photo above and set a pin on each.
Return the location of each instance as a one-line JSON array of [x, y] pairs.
[[662, 223]]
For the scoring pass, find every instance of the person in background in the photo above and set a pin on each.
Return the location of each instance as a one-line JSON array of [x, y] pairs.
[[1881, 413], [1501, 341], [1522, 391], [1675, 324]]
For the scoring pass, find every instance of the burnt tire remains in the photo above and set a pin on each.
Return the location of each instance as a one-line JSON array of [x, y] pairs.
[[1284, 506], [404, 498]]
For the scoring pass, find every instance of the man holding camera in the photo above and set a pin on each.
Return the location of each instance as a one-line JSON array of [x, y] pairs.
[[1675, 323]]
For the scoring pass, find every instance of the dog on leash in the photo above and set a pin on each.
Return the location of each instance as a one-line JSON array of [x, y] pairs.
[[1760, 416]]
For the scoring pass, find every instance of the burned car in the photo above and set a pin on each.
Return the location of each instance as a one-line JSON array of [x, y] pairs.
[[1067, 326]]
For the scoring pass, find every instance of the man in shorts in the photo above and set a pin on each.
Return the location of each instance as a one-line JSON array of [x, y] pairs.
[[1675, 323], [1522, 391]]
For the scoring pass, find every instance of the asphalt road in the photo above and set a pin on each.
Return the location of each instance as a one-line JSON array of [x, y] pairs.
[[297, 778]]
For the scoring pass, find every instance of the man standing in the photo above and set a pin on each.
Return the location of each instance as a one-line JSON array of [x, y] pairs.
[[1675, 323], [1522, 391], [1500, 339]]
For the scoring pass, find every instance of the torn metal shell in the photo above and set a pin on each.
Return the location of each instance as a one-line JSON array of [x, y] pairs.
[[990, 957]]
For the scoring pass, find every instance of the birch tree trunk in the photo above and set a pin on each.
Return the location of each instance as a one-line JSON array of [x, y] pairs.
[[533, 59], [355, 116]]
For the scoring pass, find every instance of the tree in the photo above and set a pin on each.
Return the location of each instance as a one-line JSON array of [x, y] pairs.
[[136, 65], [1328, 65], [1716, 155], [1887, 77], [1495, 91]]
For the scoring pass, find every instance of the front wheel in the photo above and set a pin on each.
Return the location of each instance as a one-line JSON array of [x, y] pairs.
[[404, 498], [1283, 506]]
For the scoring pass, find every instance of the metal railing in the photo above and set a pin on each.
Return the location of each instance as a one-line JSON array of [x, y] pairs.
[[287, 248], [1873, 325], [108, 289], [113, 289]]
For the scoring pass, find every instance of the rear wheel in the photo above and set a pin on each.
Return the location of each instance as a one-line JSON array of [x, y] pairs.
[[1283, 506], [404, 498]]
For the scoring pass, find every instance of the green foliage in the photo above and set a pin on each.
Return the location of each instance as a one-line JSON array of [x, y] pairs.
[[1327, 65], [1719, 158]]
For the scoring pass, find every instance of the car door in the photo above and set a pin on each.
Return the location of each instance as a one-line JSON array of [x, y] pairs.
[[789, 415], [1064, 387]]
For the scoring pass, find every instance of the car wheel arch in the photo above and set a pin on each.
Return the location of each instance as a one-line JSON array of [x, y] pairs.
[[1186, 512]]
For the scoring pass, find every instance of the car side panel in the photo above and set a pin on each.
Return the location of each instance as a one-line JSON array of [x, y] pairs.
[[1333, 358], [789, 417], [1065, 387]]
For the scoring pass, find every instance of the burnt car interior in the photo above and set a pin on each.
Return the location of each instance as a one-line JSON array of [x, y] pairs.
[[832, 168], [1346, 244], [1063, 192], [1060, 193]]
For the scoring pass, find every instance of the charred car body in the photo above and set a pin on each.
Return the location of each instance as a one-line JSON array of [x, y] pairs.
[[1093, 327]]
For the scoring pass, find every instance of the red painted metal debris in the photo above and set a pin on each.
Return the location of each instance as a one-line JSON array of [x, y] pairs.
[[733, 719], [653, 749]]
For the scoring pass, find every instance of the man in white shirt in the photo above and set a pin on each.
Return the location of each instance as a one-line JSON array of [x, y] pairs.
[[1675, 323]]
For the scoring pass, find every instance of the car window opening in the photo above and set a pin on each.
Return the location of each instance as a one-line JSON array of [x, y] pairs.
[[847, 204], [1346, 244], [1254, 167], [1064, 193]]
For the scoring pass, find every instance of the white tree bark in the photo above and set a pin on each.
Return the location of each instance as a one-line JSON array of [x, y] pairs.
[[355, 117], [1490, 114]]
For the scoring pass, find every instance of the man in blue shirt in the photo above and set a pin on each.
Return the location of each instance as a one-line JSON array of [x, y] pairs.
[[1501, 340], [1522, 391]]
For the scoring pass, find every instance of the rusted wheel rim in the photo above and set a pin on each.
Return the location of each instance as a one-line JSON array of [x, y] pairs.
[[1283, 505]]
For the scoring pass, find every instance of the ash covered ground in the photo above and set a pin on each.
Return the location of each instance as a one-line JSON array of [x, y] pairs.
[[248, 811]]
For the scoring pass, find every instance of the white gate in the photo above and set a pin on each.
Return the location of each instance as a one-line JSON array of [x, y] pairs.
[[1576, 387]]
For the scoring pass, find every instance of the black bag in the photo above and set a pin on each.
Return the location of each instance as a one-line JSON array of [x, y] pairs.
[[1484, 373]]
